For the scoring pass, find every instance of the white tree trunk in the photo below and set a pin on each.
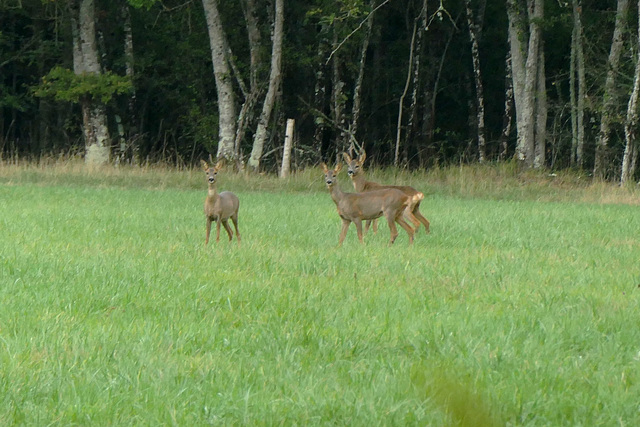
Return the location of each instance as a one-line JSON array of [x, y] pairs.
[[577, 97], [85, 61], [631, 124], [274, 86], [541, 113], [286, 154], [474, 33], [357, 90], [224, 84], [608, 102], [525, 55]]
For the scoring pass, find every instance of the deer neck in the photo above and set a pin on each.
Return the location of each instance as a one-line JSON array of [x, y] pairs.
[[212, 192], [358, 182], [336, 193]]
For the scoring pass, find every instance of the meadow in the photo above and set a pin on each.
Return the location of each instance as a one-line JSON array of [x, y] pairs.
[[520, 308]]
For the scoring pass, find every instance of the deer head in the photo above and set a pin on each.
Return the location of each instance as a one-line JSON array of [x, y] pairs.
[[354, 166], [211, 172], [330, 176]]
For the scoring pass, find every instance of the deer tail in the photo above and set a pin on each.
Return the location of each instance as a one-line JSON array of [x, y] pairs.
[[417, 197]]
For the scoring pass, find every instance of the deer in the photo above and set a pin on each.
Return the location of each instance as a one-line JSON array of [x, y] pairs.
[[356, 207], [219, 207], [356, 173]]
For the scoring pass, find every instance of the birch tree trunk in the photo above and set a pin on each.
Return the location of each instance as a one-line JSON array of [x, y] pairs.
[[130, 73], [357, 90], [631, 123], [411, 133], [337, 97], [286, 152], [320, 88], [608, 102], [396, 158], [223, 78], [525, 56], [508, 109], [540, 113], [474, 34], [274, 86], [577, 63], [85, 61]]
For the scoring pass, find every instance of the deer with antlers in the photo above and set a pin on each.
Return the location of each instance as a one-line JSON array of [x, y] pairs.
[[219, 207], [356, 207], [356, 172]]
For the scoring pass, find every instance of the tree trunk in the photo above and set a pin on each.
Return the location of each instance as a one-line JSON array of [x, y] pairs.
[[320, 89], [578, 68], [508, 109], [411, 134], [396, 158], [474, 35], [608, 102], [631, 124], [337, 97], [130, 73], [541, 113], [274, 86], [85, 61], [286, 152], [357, 90], [525, 57], [224, 84]]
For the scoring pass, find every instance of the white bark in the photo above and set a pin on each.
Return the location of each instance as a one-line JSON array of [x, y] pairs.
[[85, 61], [357, 90], [286, 154], [577, 99], [631, 124], [474, 31], [608, 102], [540, 114], [224, 85], [274, 86]]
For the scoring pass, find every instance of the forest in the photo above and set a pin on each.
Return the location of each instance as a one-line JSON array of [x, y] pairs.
[[417, 83]]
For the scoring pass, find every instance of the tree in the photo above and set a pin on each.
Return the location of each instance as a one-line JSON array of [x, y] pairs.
[[475, 30], [224, 83], [85, 62], [274, 86], [609, 97], [630, 155], [577, 68], [527, 60]]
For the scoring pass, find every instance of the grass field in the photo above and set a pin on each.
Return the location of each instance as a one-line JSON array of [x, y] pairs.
[[520, 308]]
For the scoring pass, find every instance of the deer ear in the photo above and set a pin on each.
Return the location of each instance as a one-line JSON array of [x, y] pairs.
[[346, 157], [204, 165], [218, 165], [324, 167], [338, 168], [363, 156]]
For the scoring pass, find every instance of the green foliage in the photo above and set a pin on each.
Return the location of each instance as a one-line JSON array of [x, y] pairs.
[[63, 84]]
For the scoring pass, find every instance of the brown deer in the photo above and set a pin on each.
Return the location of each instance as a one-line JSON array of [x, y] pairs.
[[356, 172], [356, 207], [219, 207]]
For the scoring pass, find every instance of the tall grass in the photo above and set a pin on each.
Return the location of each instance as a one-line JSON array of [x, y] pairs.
[[517, 309]]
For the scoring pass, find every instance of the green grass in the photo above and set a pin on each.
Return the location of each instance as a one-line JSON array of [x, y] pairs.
[[520, 308]]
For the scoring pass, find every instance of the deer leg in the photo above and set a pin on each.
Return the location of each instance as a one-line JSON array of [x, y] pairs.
[[408, 212], [218, 230], [421, 218], [343, 232], [225, 222], [406, 227], [392, 228], [208, 231], [358, 223], [234, 219]]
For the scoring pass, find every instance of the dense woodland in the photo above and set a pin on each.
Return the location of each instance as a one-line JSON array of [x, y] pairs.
[[418, 83]]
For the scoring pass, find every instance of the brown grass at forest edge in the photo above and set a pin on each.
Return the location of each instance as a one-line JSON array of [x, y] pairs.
[[500, 181]]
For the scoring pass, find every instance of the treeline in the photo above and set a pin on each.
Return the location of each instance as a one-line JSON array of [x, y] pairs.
[[416, 82]]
